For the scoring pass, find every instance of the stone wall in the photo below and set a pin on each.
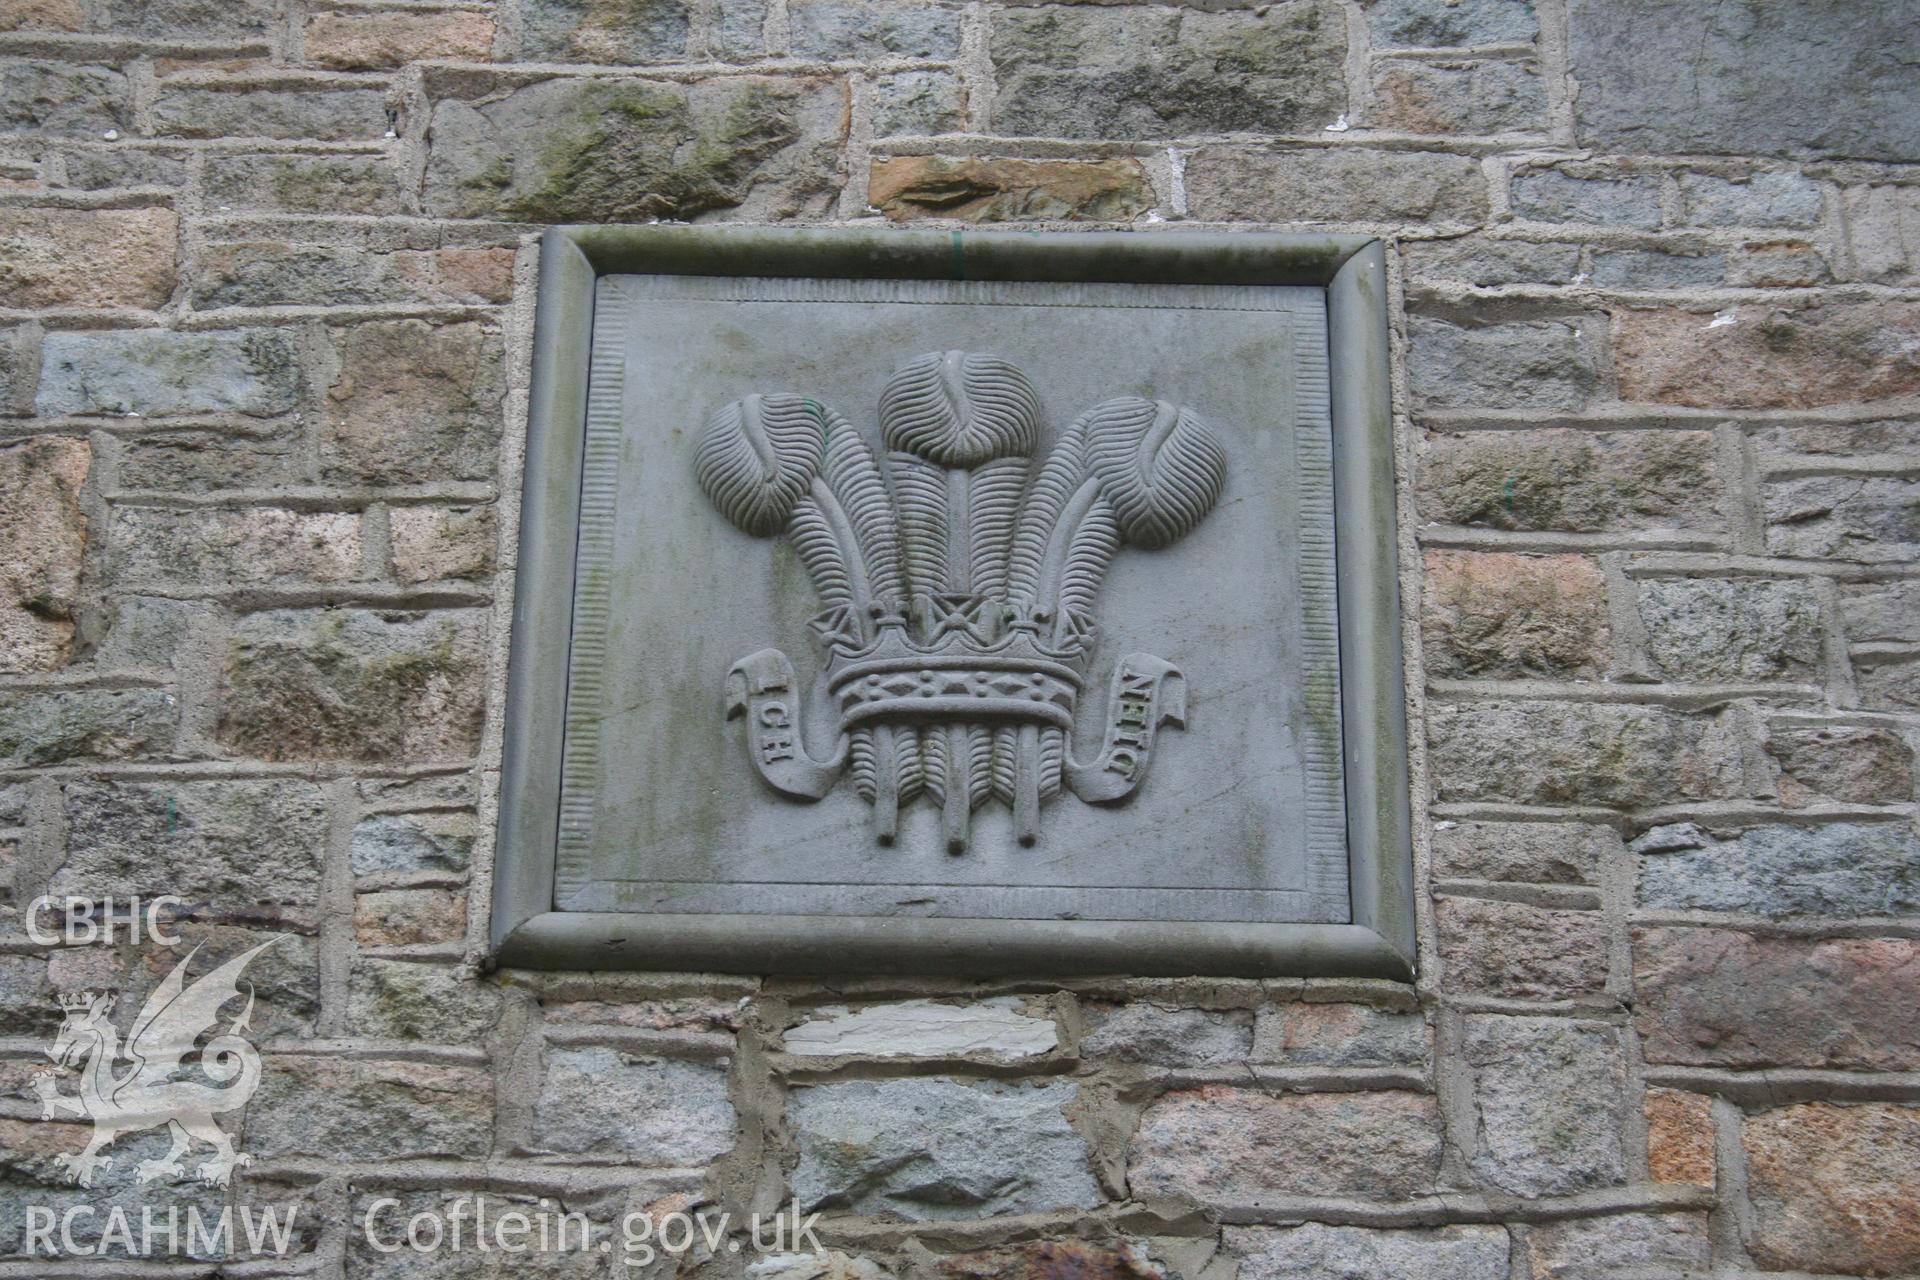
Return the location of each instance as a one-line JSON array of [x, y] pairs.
[[1656, 295]]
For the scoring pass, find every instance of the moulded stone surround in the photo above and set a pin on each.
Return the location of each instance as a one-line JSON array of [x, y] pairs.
[[264, 387]]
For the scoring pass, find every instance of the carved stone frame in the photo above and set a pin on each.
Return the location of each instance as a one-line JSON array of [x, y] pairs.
[[528, 932]]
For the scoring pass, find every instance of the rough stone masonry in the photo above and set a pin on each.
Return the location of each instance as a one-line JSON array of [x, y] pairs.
[[266, 281]]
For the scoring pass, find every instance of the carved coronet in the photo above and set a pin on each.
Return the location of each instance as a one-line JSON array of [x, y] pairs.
[[981, 626], [956, 688]]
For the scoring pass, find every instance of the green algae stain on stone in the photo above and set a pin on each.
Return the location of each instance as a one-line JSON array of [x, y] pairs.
[[490, 185], [605, 156], [630, 150], [360, 684]]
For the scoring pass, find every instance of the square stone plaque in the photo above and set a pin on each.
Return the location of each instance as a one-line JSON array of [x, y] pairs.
[[894, 601]]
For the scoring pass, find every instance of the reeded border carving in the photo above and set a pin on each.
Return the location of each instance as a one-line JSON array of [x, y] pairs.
[[526, 931]]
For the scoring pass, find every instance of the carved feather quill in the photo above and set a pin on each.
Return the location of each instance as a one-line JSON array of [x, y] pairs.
[[959, 427], [785, 461], [1133, 470]]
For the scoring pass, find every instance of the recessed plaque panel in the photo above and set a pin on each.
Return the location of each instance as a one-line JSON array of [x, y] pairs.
[[927, 610]]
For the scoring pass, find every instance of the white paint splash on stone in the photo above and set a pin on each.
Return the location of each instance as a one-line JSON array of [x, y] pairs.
[[924, 1029], [828, 1265], [1177, 181]]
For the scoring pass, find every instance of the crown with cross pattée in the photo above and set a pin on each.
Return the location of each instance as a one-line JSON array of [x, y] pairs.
[[958, 584]]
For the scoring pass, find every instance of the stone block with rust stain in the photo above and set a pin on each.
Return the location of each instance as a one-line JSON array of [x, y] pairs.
[[1788, 357], [88, 257], [1717, 998], [1055, 1260], [45, 533], [987, 189], [359, 41], [1497, 615], [1835, 1188], [1680, 1137]]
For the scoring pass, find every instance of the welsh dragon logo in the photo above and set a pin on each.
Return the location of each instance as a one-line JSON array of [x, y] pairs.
[[147, 1094], [958, 584]]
